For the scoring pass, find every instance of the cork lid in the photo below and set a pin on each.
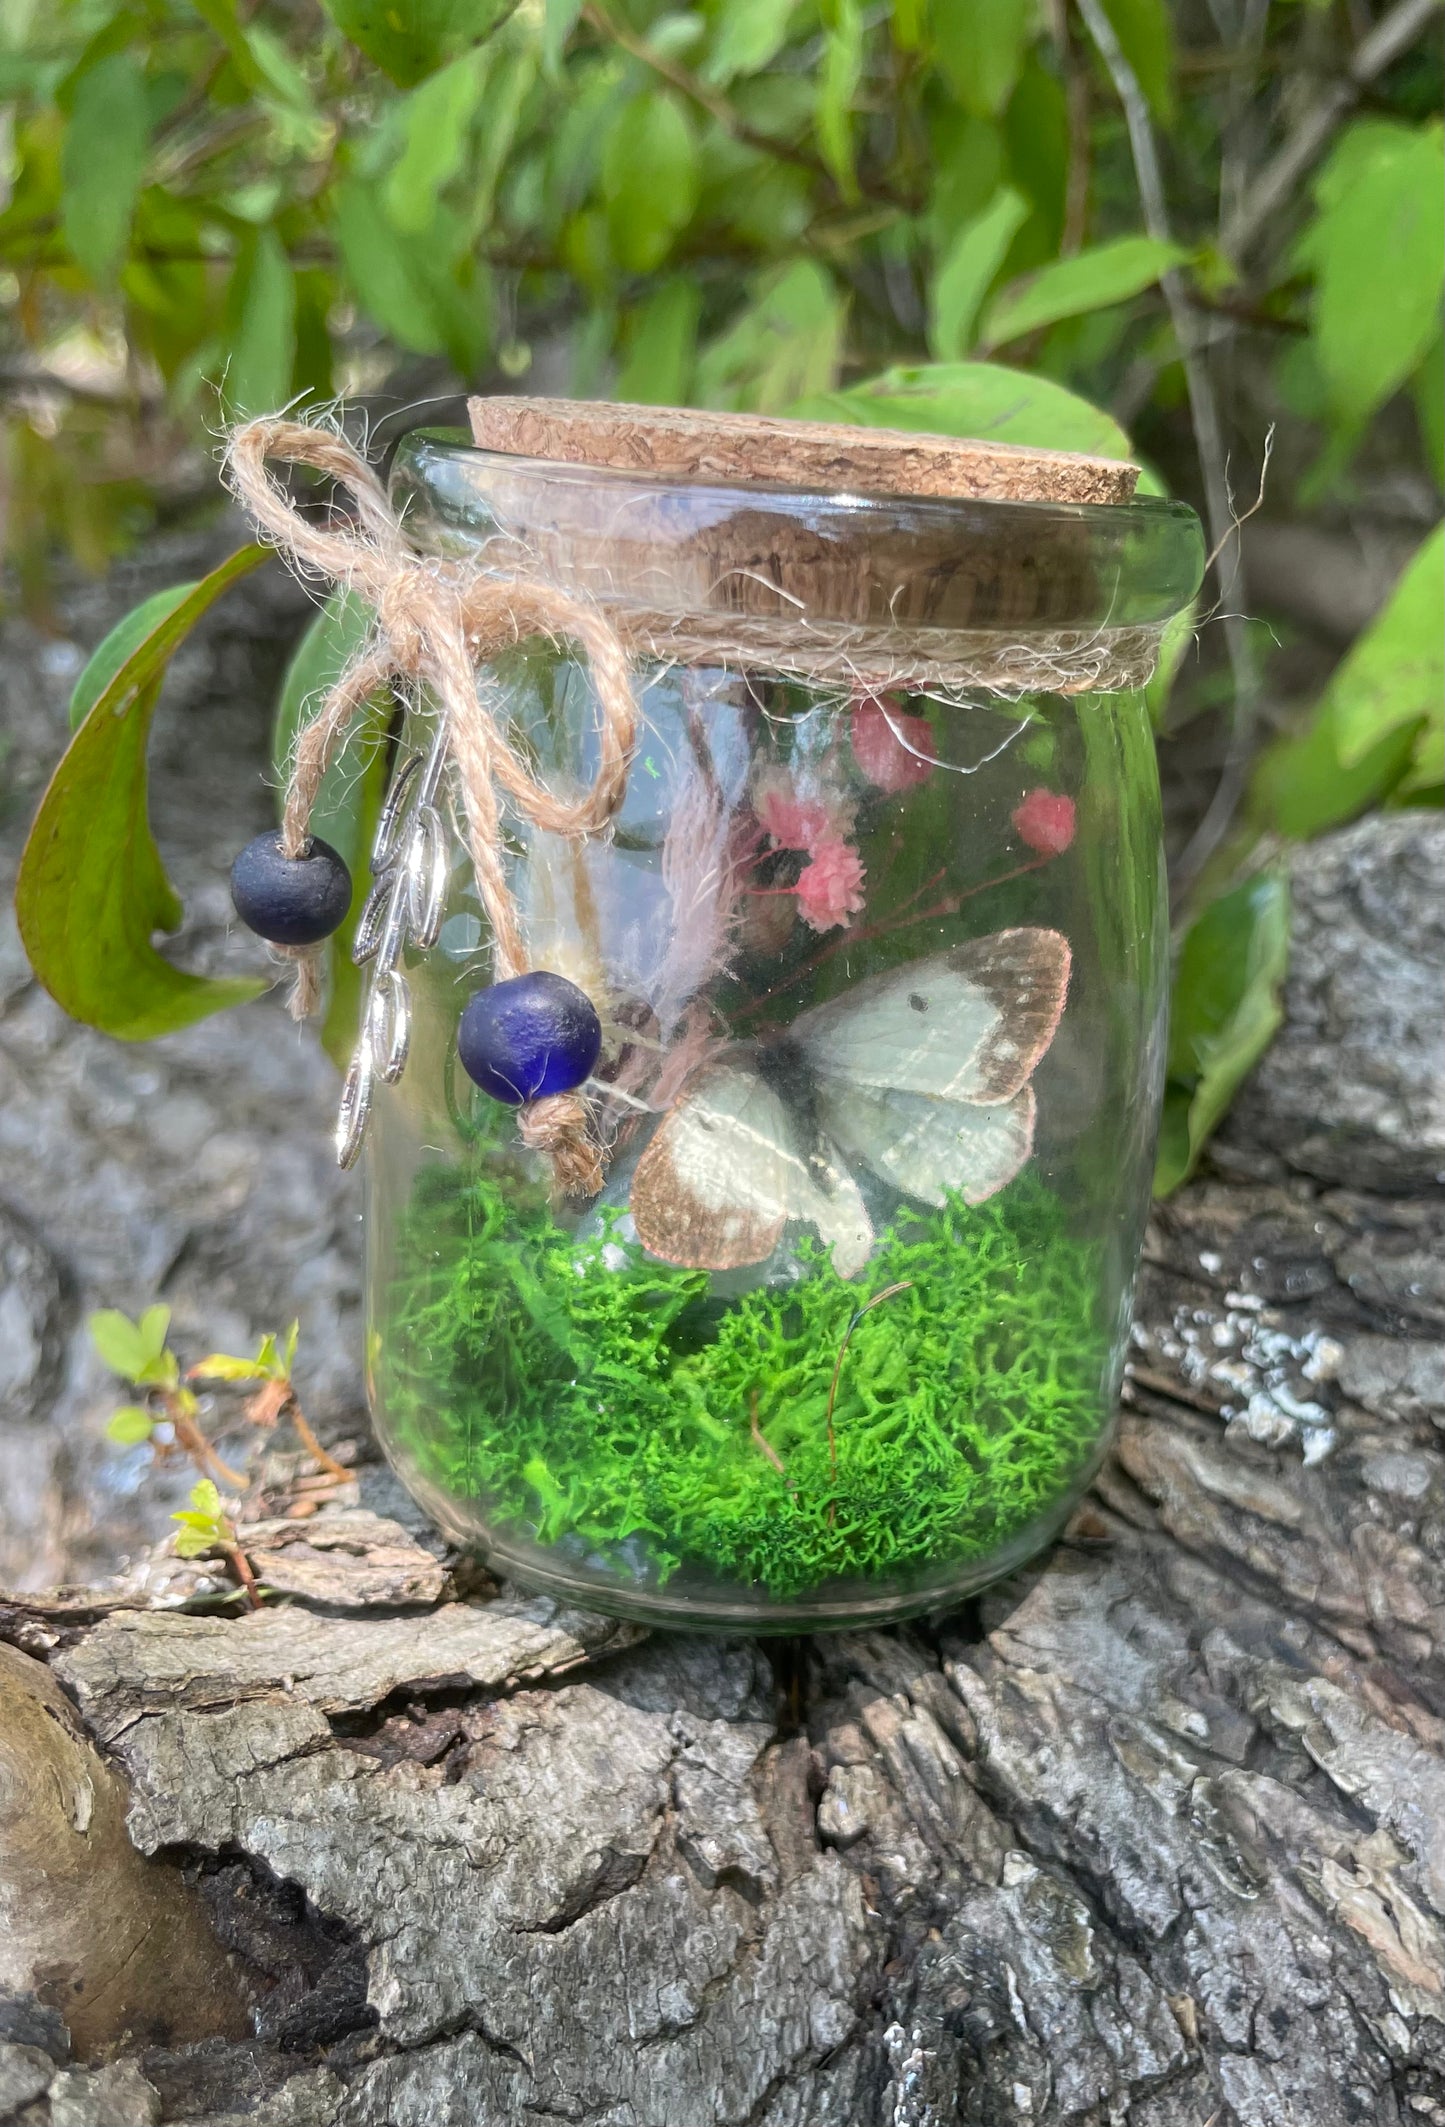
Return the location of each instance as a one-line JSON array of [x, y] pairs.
[[826, 457]]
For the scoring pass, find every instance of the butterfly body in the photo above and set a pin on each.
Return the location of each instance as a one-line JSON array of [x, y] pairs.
[[920, 1075]]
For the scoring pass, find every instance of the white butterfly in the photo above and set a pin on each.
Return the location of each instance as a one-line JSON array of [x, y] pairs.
[[921, 1074]]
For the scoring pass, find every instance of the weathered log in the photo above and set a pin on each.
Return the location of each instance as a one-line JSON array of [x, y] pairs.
[[1152, 1834]]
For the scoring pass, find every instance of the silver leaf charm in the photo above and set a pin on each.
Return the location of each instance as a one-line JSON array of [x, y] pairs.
[[404, 908]]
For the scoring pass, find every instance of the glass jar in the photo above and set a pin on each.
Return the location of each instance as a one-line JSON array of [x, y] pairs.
[[878, 944]]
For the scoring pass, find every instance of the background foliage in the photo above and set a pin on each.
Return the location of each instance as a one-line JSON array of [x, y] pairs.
[[1109, 224]]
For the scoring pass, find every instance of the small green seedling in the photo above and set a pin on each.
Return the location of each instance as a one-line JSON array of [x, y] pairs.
[[275, 1391], [206, 1526], [139, 1353]]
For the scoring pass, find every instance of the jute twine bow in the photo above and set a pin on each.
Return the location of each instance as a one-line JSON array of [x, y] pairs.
[[437, 622]]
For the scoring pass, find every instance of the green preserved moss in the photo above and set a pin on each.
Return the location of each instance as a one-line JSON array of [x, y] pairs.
[[588, 1397]]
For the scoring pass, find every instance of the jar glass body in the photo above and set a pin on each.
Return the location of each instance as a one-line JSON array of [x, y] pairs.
[[882, 974]]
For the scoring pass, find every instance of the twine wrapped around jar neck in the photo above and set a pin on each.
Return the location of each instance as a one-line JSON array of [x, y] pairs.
[[858, 599]]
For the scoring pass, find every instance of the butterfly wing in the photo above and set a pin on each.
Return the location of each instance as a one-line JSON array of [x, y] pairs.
[[925, 1147], [966, 1025], [923, 1073], [723, 1174]]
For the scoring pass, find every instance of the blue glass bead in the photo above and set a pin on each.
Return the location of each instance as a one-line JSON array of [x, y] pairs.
[[290, 900], [534, 1035]]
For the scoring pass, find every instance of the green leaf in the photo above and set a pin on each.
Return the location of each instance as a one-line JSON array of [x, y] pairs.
[[288, 1348], [204, 1524], [409, 39], [838, 79], [1071, 287], [979, 46], [908, 19], [1380, 724], [261, 327], [153, 1327], [663, 345], [91, 889], [435, 123], [131, 1425], [559, 21], [410, 285], [328, 645], [1395, 672], [121, 1343], [981, 399], [106, 140], [1036, 133], [1378, 249], [787, 342], [1178, 634], [1145, 32], [136, 1350], [747, 37], [1224, 1013], [967, 160], [278, 71], [111, 652], [349, 801], [382, 268], [205, 1502], [221, 1366], [508, 90], [966, 271], [650, 179], [1430, 408]]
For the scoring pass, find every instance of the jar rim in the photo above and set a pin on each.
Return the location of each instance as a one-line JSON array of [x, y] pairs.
[[1023, 595], [431, 450]]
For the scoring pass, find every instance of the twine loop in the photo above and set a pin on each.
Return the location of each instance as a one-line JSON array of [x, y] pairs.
[[437, 625]]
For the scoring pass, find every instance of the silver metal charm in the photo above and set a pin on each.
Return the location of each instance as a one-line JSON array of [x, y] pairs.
[[404, 908]]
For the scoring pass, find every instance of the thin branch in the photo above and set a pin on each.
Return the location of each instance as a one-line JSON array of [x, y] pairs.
[[196, 1445], [1271, 191], [1076, 104], [313, 1446], [241, 1566], [1208, 442], [1240, 127]]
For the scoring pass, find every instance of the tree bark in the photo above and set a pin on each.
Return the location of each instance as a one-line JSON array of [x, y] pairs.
[[1151, 1835]]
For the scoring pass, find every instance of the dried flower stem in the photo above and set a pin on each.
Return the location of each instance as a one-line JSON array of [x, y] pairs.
[[765, 1445]]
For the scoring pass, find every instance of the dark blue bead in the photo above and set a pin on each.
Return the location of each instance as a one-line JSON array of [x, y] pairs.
[[534, 1035], [290, 900]]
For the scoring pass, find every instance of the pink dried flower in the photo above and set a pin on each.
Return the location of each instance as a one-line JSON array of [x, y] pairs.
[[830, 885], [1045, 820], [887, 744], [793, 822]]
